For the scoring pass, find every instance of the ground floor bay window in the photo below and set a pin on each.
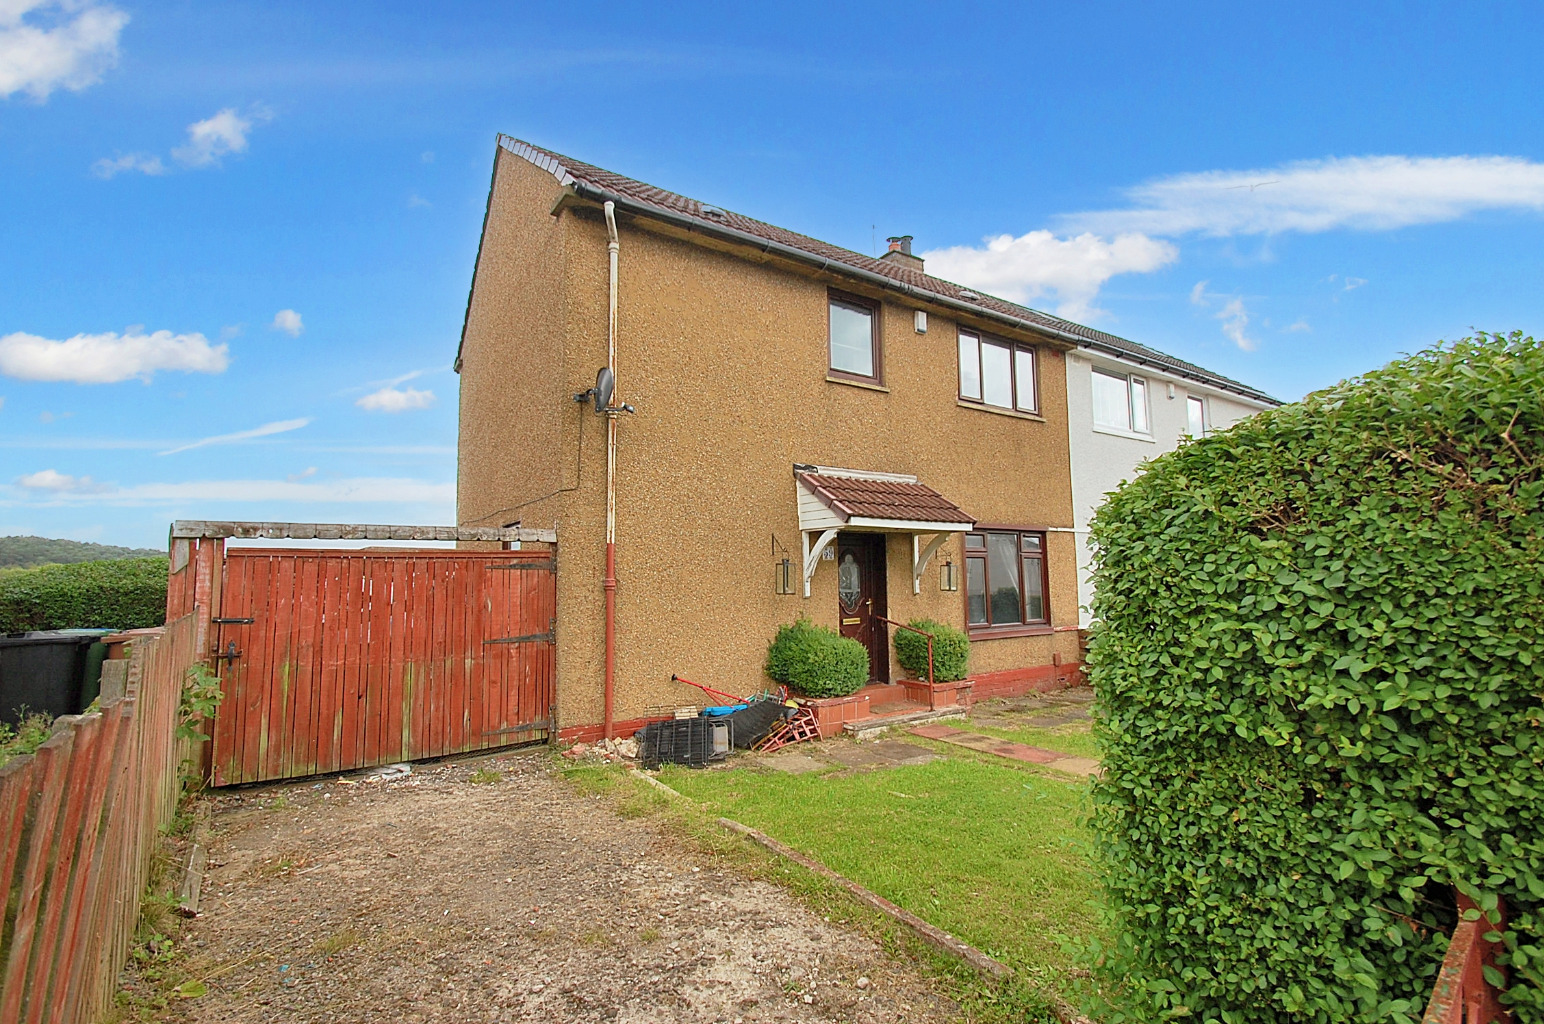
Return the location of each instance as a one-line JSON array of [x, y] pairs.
[[1005, 582]]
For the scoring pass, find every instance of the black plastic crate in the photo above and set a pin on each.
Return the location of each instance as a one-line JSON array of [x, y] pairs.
[[689, 741]]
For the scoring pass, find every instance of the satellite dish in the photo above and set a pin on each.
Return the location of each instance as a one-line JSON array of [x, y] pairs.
[[605, 385]]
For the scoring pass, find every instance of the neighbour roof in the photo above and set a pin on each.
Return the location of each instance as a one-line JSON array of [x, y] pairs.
[[636, 193], [852, 497]]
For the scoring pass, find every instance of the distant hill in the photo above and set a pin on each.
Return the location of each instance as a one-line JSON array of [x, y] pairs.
[[26, 552]]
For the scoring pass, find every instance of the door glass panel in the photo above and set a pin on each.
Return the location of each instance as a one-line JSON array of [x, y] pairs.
[[1139, 405], [970, 366], [996, 375], [975, 591], [1003, 554], [1112, 402], [1024, 378], [852, 339], [1034, 591], [849, 581]]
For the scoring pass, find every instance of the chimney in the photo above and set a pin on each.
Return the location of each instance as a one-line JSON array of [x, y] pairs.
[[900, 252]]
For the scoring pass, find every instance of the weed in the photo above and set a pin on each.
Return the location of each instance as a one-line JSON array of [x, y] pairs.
[[649, 935], [484, 776], [338, 941], [25, 736], [281, 802], [595, 937]]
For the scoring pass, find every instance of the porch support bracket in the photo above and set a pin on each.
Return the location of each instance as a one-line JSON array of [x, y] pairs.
[[812, 552], [920, 556]]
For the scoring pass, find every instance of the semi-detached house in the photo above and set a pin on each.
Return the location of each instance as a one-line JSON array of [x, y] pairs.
[[787, 429]]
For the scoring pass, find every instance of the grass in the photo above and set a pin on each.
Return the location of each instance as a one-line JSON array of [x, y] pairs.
[[25, 736], [484, 776], [991, 853], [1072, 739]]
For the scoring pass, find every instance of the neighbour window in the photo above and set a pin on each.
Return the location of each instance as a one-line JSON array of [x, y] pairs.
[[1195, 410], [1005, 579], [998, 373], [854, 324], [1120, 401]]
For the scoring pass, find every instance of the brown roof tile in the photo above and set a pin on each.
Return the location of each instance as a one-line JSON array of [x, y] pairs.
[[854, 497], [568, 170]]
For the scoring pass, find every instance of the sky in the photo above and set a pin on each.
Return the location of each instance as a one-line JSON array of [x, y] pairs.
[[236, 239]]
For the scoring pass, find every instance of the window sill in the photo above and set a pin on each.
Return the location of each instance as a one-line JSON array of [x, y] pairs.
[[868, 385], [1004, 632], [1017, 414], [1130, 435]]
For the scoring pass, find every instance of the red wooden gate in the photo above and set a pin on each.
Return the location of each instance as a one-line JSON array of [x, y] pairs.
[[334, 660]]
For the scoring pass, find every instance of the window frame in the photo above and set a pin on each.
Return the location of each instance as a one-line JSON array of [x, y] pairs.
[[1129, 429], [1014, 348], [873, 307], [1025, 626], [1205, 419]]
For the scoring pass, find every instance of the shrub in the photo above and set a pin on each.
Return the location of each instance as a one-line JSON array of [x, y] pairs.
[[817, 661], [1318, 649], [951, 650], [127, 593]]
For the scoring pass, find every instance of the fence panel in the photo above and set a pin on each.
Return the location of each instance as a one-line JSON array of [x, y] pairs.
[[79, 823]]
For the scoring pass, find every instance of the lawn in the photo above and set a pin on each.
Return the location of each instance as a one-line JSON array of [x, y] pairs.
[[992, 853]]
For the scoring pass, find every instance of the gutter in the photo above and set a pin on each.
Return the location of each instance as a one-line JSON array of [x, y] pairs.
[[584, 190]]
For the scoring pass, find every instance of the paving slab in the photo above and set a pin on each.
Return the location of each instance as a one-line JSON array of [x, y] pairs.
[[989, 744], [1075, 765], [794, 763]]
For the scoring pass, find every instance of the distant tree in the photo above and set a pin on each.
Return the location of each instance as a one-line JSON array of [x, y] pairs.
[[27, 552]]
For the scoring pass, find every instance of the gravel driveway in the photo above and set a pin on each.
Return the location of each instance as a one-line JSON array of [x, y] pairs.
[[438, 898]]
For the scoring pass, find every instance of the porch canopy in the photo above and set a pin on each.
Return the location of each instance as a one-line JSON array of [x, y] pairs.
[[832, 500]]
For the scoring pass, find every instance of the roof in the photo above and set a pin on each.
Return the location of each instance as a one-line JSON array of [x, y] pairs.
[[643, 198], [882, 496]]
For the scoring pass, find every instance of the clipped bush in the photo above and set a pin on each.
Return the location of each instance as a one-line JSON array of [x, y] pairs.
[[951, 650], [1317, 658], [128, 593], [817, 661]]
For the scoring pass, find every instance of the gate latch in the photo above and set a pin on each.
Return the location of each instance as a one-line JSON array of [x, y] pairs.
[[229, 654]]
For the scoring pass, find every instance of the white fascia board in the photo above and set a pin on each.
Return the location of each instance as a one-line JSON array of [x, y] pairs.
[[908, 525]]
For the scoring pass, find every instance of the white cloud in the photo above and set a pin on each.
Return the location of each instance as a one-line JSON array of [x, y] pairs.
[[415, 200], [1372, 193], [1038, 263], [309, 471], [1353, 283], [354, 490], [391, 399], [145, 163], [1298, 326], [267, 429], [1235, 324], [288, 321], [110, 357], [55, 481], [56, 44], [216, 136]]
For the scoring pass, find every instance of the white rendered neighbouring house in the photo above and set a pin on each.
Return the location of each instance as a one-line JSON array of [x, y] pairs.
[[1126, 405]]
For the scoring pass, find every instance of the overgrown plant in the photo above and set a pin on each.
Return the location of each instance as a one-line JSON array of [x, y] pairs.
[[817, 661], [951, 650], [201, 698], [25, 736], [1318, 657]]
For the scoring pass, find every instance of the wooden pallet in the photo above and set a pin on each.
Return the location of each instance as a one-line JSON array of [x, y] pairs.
[[798, 729]]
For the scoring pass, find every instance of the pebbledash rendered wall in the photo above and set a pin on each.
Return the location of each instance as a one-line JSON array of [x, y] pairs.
[[1104, 458], [725, 359]]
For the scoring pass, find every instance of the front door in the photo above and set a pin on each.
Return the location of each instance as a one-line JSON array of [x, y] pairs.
[[860, 590]]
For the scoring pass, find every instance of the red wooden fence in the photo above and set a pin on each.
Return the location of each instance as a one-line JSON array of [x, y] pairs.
[[333, 660], [79, 823], [1462, 995]]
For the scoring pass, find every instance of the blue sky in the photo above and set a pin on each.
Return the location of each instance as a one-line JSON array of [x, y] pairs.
[[237, 237]]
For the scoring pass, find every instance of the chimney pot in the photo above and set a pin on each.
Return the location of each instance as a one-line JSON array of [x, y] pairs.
[[900, 243], [900, 252]]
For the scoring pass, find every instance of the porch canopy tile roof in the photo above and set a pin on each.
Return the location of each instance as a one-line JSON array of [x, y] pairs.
[[883, 500]]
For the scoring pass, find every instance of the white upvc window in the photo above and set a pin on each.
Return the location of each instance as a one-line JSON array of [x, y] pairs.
[[1120, 402], [1195, 412]]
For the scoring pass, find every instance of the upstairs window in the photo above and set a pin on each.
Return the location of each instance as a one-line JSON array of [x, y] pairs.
[[1005, 580], [1120, 402], [1195, 412], [854, 334], [997, 373]]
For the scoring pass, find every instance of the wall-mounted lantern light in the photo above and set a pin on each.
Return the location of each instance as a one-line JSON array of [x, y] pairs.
[[784, 576], [947, 578]]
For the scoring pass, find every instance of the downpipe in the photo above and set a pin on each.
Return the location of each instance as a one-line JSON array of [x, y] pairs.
[[609, 583]]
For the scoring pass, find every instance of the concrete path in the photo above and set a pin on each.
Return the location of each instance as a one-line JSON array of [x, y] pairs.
[[1011, 751]]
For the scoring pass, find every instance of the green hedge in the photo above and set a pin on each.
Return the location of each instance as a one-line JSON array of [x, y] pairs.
[[817, 661], [127, 593], [951, 650], [1318, 660]]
